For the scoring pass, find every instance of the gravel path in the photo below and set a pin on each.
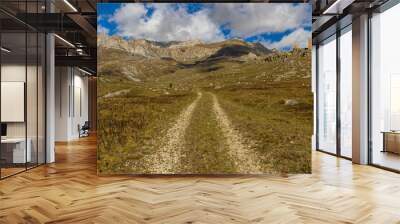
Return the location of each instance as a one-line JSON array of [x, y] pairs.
[[239, 149], [166, 161]]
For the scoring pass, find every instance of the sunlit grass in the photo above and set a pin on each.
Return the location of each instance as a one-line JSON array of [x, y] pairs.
[[253, 95]]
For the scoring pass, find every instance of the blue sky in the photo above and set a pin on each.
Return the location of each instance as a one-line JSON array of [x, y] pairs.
[[274, 25]]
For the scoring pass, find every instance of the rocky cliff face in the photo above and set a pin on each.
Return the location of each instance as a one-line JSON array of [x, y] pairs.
[[183, 51]]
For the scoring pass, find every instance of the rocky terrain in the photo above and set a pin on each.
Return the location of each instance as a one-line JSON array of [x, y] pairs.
[[188, 51]]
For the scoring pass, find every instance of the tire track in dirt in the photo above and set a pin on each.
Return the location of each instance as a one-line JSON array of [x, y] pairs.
[[168, 156], [240, 150]]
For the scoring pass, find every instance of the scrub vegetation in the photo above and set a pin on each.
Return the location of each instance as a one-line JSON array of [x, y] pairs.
[[210, 116]]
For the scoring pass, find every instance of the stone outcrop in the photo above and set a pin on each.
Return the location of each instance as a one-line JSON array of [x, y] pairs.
[[186, 51]]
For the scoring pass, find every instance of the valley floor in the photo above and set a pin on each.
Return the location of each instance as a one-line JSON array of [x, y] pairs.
[[201, 138], [225, 116]]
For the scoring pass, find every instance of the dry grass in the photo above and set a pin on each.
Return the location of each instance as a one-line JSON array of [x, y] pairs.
[[251, 93]]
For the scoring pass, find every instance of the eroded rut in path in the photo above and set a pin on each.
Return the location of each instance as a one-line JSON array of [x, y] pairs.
[[240, 150], [167, 159]]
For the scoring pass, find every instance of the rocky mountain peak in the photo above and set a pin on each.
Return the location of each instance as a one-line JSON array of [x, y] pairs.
[[184, 51], [189, 43]]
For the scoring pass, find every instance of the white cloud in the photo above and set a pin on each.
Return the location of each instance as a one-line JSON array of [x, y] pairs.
[[172, 21], [299, 36], [102, 29], [167, 23], [250, 19]]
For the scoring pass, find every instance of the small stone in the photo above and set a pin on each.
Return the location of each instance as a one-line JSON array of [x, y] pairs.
[[291, 102]]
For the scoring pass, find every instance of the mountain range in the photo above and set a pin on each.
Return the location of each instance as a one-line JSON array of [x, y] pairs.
[[183, 51]]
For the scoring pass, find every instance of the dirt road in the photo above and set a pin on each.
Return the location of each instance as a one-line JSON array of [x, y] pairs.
[[225, 139]]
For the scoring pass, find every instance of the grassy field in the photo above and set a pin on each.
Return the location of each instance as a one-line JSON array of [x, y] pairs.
[[129, 125], [268, 102], [282, 132]]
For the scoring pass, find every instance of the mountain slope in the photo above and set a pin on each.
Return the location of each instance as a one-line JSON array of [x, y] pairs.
[[186, 51]]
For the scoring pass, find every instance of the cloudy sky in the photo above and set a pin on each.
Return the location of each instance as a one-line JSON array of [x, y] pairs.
[[274, 25]]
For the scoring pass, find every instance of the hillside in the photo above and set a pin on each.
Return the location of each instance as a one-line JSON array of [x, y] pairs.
[[193, 107]]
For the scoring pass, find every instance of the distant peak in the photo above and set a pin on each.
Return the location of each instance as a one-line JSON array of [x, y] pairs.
[[187, 43], [141, 41], [258, 44], [237, 38]]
